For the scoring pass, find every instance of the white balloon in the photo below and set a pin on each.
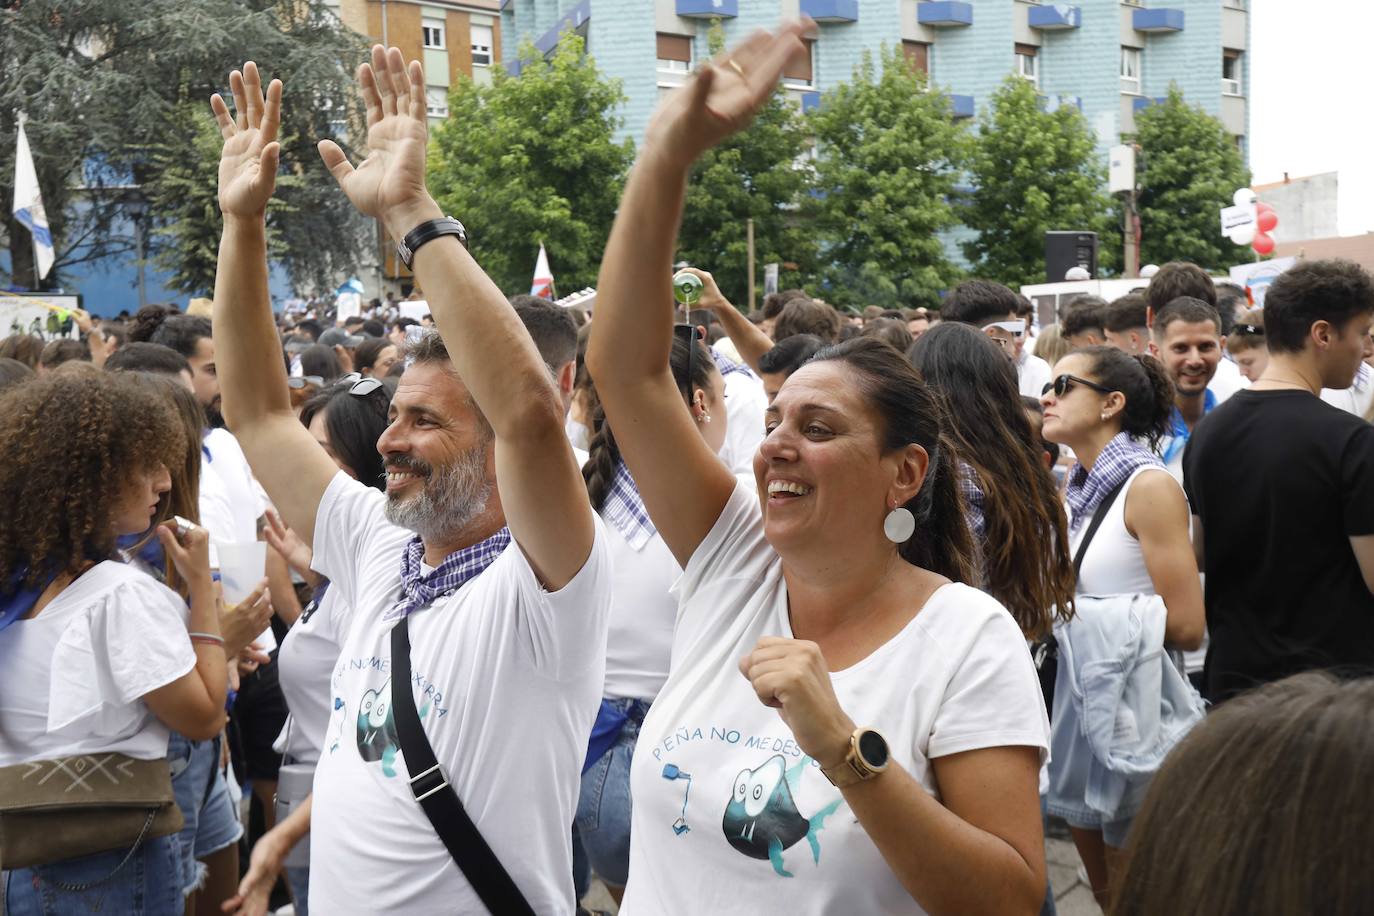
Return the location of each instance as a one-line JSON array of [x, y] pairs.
[[1078, 273], [1148, 271], [1244, 198], [1243, 235]]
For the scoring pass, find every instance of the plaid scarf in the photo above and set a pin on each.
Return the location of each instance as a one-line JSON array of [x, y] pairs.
[[419, 590], [727, 366], [624, 509], [1116, 462], [975, 500]]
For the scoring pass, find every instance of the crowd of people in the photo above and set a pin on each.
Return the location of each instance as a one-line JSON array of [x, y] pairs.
[[646, 596]]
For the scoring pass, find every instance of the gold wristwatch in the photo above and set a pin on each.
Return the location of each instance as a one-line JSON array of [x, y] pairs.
[[867, 757]]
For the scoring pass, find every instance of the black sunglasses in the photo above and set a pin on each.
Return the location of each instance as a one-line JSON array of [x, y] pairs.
[[1064, 384], [362, 385]]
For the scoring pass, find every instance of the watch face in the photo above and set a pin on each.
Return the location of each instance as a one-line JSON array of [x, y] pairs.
[[873, 749]]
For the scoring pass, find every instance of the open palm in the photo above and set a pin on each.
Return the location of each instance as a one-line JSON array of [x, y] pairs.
[[726, 93], [248, 162], [392, 177]]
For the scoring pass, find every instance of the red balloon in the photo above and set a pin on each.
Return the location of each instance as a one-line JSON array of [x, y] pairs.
[[1263, 244], [1265, 217]]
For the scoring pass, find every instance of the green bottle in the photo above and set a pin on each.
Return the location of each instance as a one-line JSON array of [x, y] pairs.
[[687, 288]]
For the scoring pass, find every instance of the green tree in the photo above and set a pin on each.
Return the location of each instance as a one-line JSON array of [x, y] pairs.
[[1033, 171], [184, 187], [759, 173], [891, 155], [102, 82], [1189, 168], [532, 158]]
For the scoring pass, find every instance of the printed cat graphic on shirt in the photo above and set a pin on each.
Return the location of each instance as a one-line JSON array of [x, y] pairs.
[[761, 818], [377, 739]]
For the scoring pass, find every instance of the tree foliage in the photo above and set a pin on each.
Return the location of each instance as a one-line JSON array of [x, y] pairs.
[[760, 173], [891, 154], [1189, 168], [103, 82], [532, 158], [1032, 171]]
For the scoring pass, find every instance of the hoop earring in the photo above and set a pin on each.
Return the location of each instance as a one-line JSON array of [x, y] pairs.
[[899, 525]]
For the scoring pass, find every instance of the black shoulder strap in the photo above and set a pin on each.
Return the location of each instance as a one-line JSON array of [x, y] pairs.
[[441, 804], [1093, 525]]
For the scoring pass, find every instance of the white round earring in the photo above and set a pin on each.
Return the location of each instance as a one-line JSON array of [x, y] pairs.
[[1104, 418], [705, 418], [899, 525]]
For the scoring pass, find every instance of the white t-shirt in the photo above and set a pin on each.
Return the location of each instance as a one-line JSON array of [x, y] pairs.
[[643, 611], [507, 680], [77, 672], [305, 666], [718, 781], [1032, 375], [1227, 380], [1356, 399], [231, 502], [745, 402]]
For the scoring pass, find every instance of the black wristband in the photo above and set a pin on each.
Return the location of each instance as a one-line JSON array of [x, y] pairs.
[[428, 231]]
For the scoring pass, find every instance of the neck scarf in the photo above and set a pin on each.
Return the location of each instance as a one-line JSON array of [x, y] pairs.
[[1179, 433], [1118, 460], [419, 590], [624, 509]]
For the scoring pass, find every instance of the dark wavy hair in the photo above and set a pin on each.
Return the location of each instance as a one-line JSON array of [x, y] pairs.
[[354, 423], [367, 353], [1143, 382], [1026, 561], [66, 441], [26, 348], [912, 414], [603, 452], [1334, 291]]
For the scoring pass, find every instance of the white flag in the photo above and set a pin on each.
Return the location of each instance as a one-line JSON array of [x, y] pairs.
[[543, 276], [28, 204]]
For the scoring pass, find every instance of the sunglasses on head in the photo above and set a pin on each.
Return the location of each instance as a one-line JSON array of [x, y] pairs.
[[688, 333], [362, 385], [1248, 330], [1064, 384], [300, 381]]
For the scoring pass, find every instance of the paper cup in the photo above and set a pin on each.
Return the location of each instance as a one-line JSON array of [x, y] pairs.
[[241, 567]]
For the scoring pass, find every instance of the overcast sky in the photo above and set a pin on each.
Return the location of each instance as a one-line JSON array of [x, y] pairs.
[[1308, 75]]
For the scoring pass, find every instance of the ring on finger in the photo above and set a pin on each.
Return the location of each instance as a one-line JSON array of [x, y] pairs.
[[734, 65]]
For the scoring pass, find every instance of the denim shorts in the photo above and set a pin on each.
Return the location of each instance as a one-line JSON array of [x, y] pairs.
[[603, 809], [149, 884], [211, 823]]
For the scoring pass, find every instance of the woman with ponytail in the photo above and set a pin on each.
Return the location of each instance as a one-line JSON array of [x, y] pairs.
[[1112, 408], [643, 612], [848, 725]]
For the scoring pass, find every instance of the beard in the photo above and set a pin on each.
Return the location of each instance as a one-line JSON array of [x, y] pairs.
[[451, 498]]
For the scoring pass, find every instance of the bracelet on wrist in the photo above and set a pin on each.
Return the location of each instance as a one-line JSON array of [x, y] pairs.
[[207, 639]]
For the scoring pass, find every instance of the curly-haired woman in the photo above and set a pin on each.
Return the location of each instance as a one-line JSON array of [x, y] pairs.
[[103, 647]]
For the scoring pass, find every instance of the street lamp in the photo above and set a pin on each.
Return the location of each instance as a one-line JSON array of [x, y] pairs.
[[137, 208]]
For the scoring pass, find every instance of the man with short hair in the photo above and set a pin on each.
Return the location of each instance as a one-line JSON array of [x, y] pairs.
[[1187, 340], [1082, 322], [555, 337], [142, 356], [397, 332], [807, 316], [483, 562], [353, 324], [1124, 323], [773, 305], [998, 312], [190, 336], [1180, 278], [1282, 492], [784, 359]]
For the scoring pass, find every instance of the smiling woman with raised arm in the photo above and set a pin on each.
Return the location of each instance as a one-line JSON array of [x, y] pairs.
[[483, 562], [833, 679]]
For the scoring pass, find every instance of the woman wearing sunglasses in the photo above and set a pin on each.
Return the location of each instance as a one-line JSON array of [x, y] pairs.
[[346, 419], [1111, 408], [846, 726]]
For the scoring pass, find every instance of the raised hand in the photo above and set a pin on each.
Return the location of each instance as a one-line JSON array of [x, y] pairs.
[[248, 163], [726, 93], [390, 183], [294, 551], [190, 553]]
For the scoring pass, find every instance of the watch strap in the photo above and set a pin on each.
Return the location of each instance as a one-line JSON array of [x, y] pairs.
[[853, 769], [428, 231]]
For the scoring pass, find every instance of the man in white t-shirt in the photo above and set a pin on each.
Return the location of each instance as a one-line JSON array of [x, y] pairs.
[[484, 546]]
